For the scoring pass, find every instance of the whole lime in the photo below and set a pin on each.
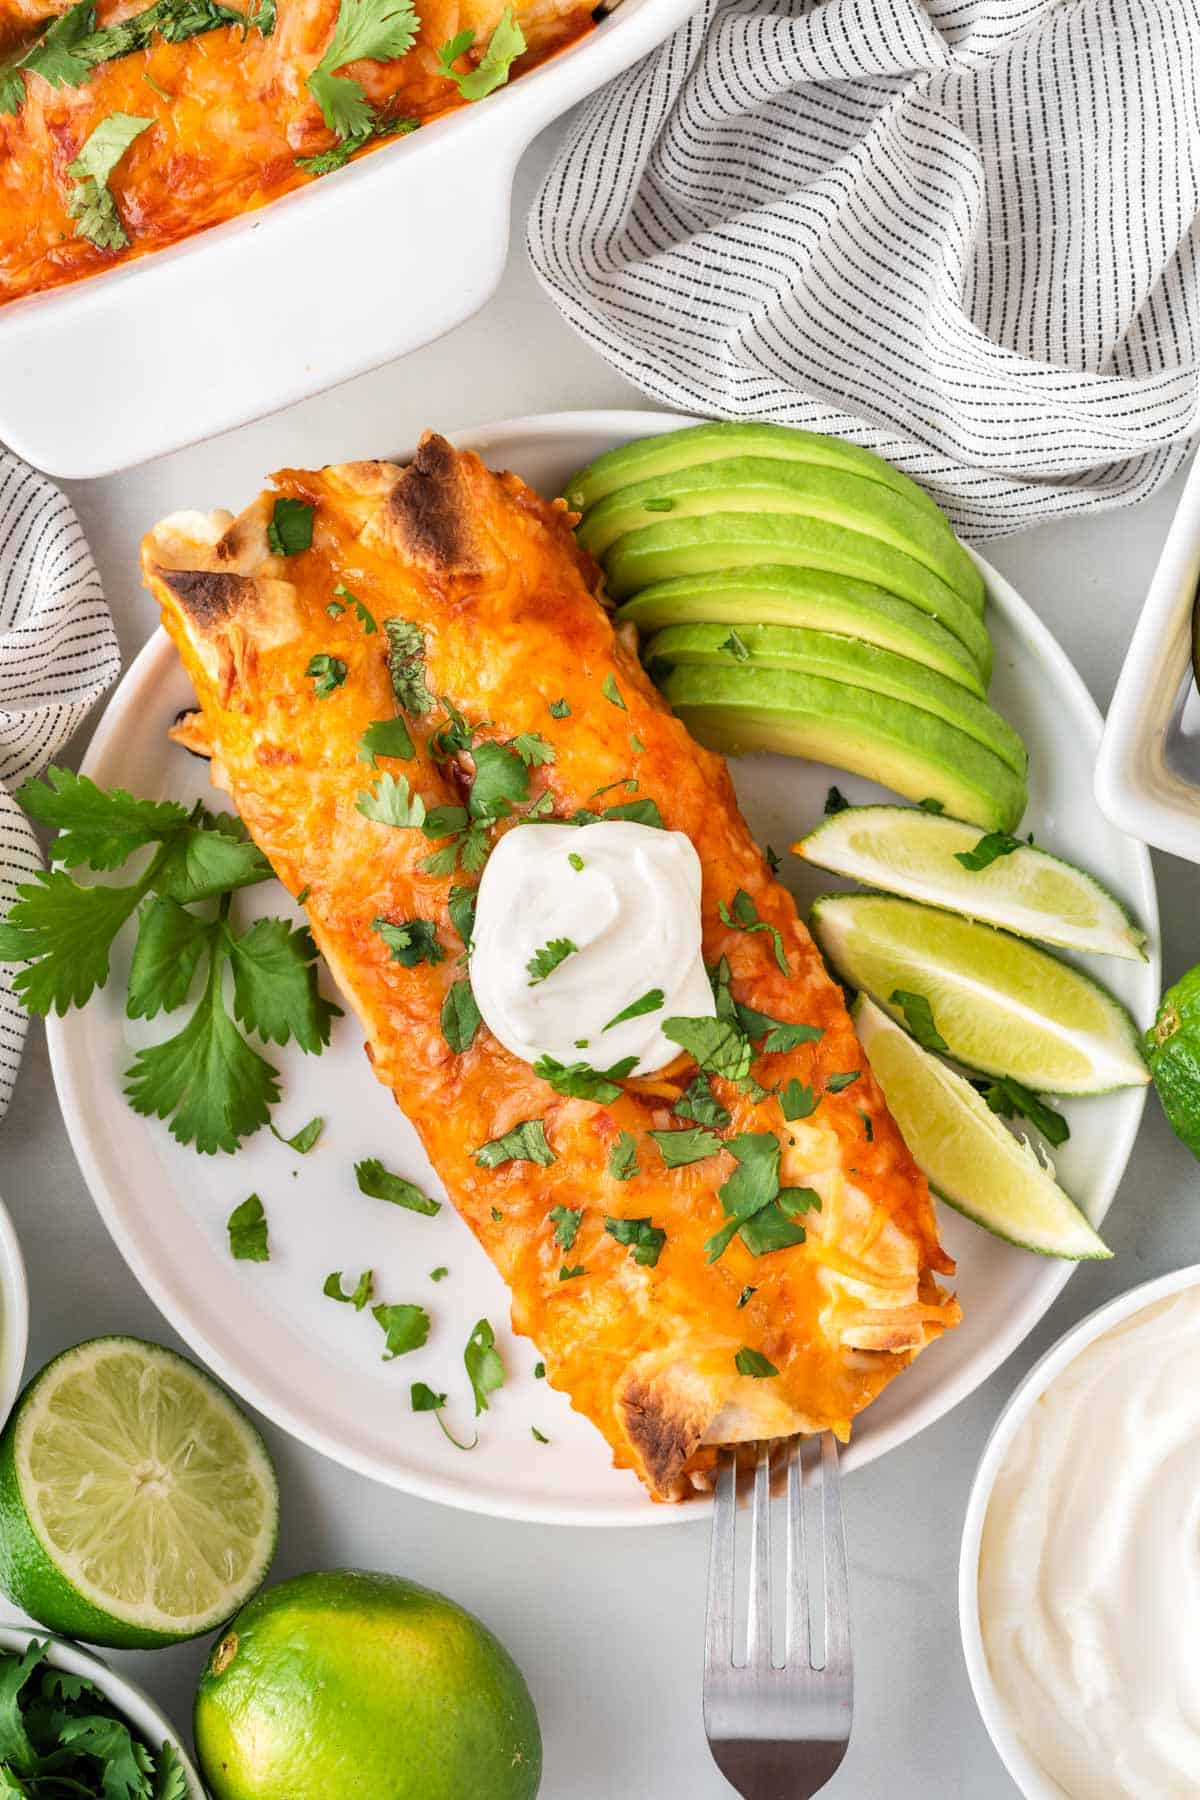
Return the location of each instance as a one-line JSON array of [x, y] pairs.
[[354, 1686]]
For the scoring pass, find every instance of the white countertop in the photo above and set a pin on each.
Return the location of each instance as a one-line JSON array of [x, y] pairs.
[[607, 1625]]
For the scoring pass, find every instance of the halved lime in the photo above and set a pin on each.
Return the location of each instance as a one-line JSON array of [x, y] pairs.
[[138, 1505], [1001, 1005], [908, 851], [968, 1157]]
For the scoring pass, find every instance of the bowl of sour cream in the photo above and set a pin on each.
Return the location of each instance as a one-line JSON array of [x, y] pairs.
[[1079, 1577]]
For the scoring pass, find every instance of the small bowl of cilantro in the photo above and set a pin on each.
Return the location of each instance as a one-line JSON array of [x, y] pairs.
[[14, 1316], [69, 1725]]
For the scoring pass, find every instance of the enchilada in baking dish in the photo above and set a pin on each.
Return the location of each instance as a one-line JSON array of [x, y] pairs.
[[126, 126], [405, 678]]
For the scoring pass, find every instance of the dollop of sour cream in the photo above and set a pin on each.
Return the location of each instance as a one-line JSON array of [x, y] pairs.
[[626, 897], [1089, 1574]]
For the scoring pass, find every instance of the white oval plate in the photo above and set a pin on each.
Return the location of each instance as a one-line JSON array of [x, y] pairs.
[[313, 1366]]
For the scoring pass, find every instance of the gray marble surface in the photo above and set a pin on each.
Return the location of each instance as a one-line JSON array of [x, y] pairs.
[[607, 1625]]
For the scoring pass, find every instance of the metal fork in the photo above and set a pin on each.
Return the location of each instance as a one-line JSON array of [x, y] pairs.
[[778, 1727]]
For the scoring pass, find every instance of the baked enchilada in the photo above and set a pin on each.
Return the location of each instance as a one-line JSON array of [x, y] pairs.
[[423, 713], [126, 126]]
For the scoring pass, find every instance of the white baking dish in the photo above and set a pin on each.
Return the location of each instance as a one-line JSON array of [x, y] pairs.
[[1148, 770], [323, 284]]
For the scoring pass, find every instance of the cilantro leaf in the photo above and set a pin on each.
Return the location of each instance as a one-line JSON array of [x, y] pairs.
[[379, 29], [525, 1142], [770, 1229], [275, 988], [543, 962], [753, 1362], [538, 1435], [339, 154], [744, 1296], [304, 1139], [290, 527], [569, 1272], [379, 1183], [326, 673], [700, 1103], [390, 802], [126, 1761], [622, 1158], [612, 692], [992, 845], [406, 651], [579, 1081], [687, 1146], [1009, 1099], [365, 616], [752, 1186], [415, 941], [460, 1016], [500, 778], [930, 805], [15, 1671], [207, 1080], [644, 1240], [566, 1225], [247, 1227], [735, 646], [743, 916], [779, 1034], [485, 1369], [506, 43], [718, 1045], [208, 858], [65, 931], [425, 1400], [97, 827], [797, 1099], [171, 1782], [836, 1083], [170, 944], [651, 1001], [460, 903], [89, 201], [835, 802], [54, 56], [560, 709], [918, 1016], [385, 737], [533, 749], [361, 1293], [405, 1328]]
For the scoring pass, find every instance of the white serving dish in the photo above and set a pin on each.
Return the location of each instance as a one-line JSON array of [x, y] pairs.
[[1032, 1779], [14, 1314], [324, 283], [265, 1329], [134, 1706], [1148, 770]]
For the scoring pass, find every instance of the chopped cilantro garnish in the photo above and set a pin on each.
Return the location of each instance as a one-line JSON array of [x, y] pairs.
[[326, 673], [1009, 1099], [501, 778], [338, 155], [304, 1139], [365, 617], [579, 1081], [460, 1016], [525, 1142], [537, 1434], [460, 903], [651, 1001], [718, 1045], [247, 1227], [497, 1215], [566, 1225], [412, 942], [533, 749], [438, 1274], [836, 1083], [381, 30], [424, 1399], [390, 802], [575, 861], [506, 43], [835, 802], [89, 201], [640, 812], [636, 744], [560, 709], [773, 859], [290, 527], [930, 805], [622, 1158], [643, 1239], [539, 1371], [406, 663], [543, 962], [735, 646], [868, 1127], [797, 1099], [753, 1362], [700, 1103], [385, 737], [404, 1328], [918, 1016], [690, 1145], [744, 1296], [743, 916], [361, 1293], [983, 854], [379, 1183], [779, 1035], [569, 1274], [485, 1370], [612, 692]]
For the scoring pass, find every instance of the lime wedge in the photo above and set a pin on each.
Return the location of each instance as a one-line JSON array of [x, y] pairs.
[[138, 1505], [1001, 1006], [908, 851], [968, 1157]]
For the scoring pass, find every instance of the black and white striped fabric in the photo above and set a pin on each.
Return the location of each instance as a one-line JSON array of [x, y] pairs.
[[58, 652], [961, 232]]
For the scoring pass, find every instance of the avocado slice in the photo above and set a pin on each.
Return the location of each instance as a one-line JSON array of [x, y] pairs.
[[671, 450], [774, 594], [771, 647], [677, 547], [758, 484], [911, 751]]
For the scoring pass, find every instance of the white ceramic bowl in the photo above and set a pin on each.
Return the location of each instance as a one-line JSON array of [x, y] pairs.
[[134, 1706], [14, 1314], [1148, 770], [1025, 1770]]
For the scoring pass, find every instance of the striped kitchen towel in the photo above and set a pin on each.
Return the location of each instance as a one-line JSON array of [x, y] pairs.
[[58, 653], [961, 232]]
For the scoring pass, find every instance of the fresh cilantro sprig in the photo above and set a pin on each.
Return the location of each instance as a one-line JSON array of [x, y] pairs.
[[89, 201], [425, 1400], [506, 43], [60, 1735], [377, 29]]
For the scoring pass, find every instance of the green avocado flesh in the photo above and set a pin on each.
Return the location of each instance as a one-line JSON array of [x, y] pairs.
[[774, 594], [781, 647], [677, 547], [904, 748], [761, 485], [671, 450]]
